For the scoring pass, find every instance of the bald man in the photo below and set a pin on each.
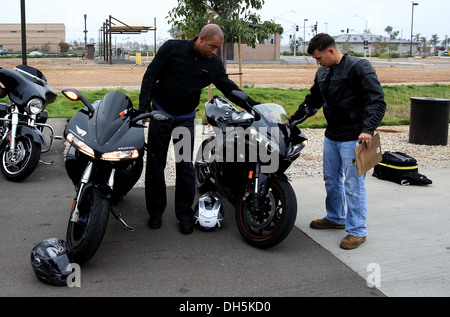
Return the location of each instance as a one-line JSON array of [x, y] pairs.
[[173, 83]]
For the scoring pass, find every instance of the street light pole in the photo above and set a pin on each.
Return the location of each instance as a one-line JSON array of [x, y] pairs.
[[366, 30], [24, 32], [412, 19], [304, 34]]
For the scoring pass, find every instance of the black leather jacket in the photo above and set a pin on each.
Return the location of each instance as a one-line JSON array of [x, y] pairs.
[[352, 99], [177, 75]]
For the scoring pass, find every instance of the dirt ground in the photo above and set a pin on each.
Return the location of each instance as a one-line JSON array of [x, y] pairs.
[[85, 74]]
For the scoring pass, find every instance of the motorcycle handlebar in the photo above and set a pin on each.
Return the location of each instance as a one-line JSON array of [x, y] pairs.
[[141, 117], [155, 114]]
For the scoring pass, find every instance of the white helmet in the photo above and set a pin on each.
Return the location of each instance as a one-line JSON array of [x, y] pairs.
[[208, 213]]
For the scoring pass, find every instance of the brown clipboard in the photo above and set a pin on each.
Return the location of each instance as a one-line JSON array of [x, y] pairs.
[[366, 159]]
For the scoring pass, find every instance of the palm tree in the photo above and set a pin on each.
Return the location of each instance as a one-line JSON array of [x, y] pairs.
[[434, 41], [392, 35]]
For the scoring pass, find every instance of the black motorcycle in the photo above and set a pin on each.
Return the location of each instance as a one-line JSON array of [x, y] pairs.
[[23, 120], [104, 162], [245, 161]]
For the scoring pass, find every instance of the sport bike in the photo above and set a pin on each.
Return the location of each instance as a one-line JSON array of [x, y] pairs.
[[245, 160], [104, 161], [23, 120]]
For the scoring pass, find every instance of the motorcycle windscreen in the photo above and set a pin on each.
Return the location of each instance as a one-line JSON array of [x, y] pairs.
[[25, 82], [108, 115]]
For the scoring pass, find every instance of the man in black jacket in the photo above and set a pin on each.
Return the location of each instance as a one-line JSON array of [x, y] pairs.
[[173, 83], [353, 104]]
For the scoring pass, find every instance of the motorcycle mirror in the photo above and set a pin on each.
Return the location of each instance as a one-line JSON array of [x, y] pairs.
[[70, 94], [75, 95]]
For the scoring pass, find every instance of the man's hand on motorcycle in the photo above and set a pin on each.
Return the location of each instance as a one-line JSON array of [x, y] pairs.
[[139, 113]]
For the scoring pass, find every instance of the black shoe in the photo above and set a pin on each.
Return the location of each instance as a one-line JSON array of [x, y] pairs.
[[154, 222], [186, 226]]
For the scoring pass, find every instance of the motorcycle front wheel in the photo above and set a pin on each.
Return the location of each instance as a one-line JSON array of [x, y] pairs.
[[19, 164], [202, 172], [271, 223], [86, 235]]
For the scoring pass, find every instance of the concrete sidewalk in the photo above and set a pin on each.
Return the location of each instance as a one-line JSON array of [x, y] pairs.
[[408, 241]]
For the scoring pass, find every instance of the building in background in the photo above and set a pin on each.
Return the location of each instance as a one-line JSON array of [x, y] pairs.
[[367, 41], [268, 50], [38, 36]]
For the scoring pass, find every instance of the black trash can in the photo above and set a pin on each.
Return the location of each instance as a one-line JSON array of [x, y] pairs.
[[429, 121]]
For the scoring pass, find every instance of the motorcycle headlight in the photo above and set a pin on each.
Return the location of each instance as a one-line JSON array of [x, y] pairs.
[[80, 145], [35, 106], [120, 155]]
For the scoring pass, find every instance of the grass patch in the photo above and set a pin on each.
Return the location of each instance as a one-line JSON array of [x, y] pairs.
[[397, 100]]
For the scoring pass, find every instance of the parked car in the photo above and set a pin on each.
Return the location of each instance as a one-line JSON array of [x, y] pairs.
[[3, 52], [35, 53]]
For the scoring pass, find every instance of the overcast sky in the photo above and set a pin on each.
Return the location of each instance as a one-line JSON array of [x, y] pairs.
[[430, 16]]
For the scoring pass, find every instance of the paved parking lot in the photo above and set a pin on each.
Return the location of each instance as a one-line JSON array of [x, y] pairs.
[[163, 262]]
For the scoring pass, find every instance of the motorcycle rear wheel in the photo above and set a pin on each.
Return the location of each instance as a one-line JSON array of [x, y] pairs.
[[276, 216], [19, 165], [86, 235]]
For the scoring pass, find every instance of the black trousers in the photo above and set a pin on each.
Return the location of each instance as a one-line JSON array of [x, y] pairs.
[[159, 135]]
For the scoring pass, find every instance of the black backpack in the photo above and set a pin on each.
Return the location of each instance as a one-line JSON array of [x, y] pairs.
[[400, 168]]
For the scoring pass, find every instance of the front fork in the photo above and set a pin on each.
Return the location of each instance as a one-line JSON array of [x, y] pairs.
[[14, 124], [259, 186], [84, 181], [31, 123]]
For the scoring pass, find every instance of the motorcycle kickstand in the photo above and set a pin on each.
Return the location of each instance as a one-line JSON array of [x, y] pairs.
[[117, 215], [46, 163]]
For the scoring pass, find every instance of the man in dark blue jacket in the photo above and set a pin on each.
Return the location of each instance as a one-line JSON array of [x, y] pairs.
[[173, 83], [353, 104]]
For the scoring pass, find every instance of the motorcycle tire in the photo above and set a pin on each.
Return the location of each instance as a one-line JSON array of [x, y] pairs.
[[273, 223], [202, 178], [86, 235], [17, 167]]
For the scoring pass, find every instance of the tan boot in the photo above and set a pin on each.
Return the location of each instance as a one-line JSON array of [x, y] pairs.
[[325, 224], [351, 242]]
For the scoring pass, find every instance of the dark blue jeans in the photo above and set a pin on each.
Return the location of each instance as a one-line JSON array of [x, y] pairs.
[[159, 135]]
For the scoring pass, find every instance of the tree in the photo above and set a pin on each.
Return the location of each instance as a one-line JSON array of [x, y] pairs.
[[392, 35], [347, 47], [46, 47], [424, 43], [434, 41], [298, 41], [234, 17], [63, 47]]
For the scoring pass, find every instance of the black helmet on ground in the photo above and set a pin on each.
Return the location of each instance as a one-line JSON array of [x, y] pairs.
[[50, 259]]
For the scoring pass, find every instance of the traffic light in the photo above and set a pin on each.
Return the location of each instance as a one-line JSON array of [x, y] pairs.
[[366, 44], [296, 28]]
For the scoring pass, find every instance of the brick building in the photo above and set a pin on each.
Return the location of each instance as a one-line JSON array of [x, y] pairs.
[[267, 51], [37, 36]]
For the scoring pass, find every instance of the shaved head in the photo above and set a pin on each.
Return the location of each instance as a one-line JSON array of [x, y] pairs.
[[209, 40], [211, 30]]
